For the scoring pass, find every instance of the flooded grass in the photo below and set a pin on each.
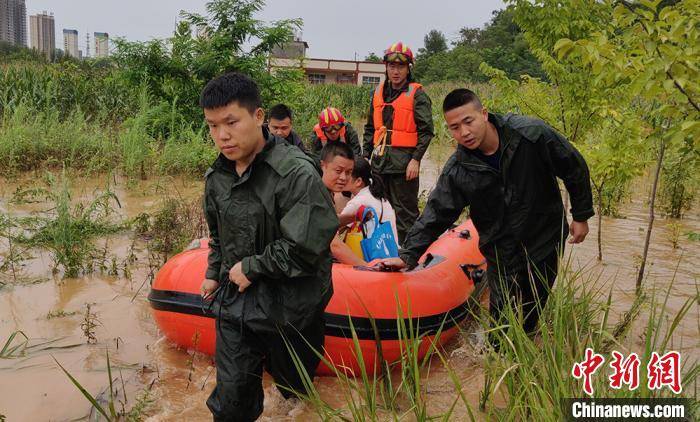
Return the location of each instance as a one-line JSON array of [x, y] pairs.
[[527, 377], [529, 373], [31, 140], [67, 230], [89, 324], [60, 313], [137, 411], [34, 137], [111, 416], [172, 226], [395, 391], [533, 375], [13, 258], [76, 231]]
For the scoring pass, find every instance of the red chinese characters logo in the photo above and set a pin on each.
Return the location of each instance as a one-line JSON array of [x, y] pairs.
[[625, 371], [662, 371], [665, 371], [587, 368]]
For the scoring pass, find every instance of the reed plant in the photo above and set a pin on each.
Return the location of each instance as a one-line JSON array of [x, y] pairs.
[[392, 390], [68, 229], [31, 140], [66, 87], [189, 152], [533, 374]]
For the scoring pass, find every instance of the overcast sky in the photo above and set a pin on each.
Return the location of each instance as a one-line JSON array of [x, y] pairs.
[[333, 29]]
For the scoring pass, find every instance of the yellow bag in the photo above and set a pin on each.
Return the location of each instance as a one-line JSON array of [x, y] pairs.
[[353, 237]]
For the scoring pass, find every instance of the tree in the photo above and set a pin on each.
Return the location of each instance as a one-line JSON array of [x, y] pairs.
[[649, 49], [434, 42], [500, 43], [680, 178], [469, 36], [612, 154], [176, 69], [371, 57], [459, 64], [589, 117], [544, 23], [503, 45]]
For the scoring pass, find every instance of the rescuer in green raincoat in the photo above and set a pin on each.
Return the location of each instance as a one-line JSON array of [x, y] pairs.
[[271, 221]]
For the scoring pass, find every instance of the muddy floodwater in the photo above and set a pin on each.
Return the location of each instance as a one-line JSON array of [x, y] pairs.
[[51, 310]]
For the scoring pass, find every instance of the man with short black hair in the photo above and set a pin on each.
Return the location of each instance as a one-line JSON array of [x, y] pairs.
[[505, 170], [337, 161], [271, 221], [280, 123]]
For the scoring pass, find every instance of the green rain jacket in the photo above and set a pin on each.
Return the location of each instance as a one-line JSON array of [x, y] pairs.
[[518, 210], [278, 220]]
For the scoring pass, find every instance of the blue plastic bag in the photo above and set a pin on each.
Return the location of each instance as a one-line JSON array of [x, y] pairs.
[[381, 242]]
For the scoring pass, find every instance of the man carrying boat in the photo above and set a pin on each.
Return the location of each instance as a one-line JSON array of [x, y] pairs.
[[271, 221], [505, 170]]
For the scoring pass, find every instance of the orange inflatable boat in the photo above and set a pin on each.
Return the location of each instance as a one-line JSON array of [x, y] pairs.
[[431, 299]]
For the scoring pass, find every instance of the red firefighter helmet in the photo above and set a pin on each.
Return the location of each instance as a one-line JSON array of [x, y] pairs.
[[329, 117], [398, 52]]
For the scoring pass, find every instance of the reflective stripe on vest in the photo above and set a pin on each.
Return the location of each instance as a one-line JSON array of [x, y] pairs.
[[322, 135], [403, 132]]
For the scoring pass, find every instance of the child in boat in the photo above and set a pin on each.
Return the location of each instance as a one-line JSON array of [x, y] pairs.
[[368, 191]]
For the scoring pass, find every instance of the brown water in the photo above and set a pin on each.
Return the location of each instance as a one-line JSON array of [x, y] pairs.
[[32, 387]]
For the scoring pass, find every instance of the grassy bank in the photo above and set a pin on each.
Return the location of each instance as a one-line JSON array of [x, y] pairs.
[[91, 119]]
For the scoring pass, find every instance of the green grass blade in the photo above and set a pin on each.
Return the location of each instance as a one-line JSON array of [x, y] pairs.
[[8, 351], [112, 410], [84, 392]]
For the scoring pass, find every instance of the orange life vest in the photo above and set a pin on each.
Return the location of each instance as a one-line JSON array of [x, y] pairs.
[[322, 135], [403, 132]]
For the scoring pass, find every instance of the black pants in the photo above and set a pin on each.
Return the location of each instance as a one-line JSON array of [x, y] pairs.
[[526, 288], [240, 356], [403, 197]]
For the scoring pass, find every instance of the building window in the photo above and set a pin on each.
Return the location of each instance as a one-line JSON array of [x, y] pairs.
[[346, 78], [317, 78], [371, 80]]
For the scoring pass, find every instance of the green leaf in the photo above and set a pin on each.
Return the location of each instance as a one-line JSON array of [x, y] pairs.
[[85, 393], [8, 350], [668, 85], [563, 47], [648, 15], [690, 126], [649, 4], [663, 14], [112, 410]]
